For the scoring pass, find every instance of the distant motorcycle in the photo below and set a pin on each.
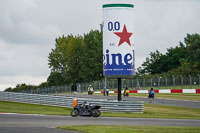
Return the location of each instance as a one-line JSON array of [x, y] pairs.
[[151, 93], [86, 110], [90, 92], [126, 93]]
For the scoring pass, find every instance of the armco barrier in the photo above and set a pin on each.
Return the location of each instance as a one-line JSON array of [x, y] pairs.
[[66, 101], [62, 101], [116, 106]]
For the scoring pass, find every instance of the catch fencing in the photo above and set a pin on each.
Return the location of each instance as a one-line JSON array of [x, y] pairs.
[[66, 101], [141, 83]]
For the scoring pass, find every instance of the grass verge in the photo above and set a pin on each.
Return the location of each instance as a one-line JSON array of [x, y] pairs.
[[160, 111], [179, 96], [132, 129], [13, 107], [150, 111]]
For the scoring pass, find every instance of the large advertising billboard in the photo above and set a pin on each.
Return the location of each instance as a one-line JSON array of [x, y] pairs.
[[118, 40]]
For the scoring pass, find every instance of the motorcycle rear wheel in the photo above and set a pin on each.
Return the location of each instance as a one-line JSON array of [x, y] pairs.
[[96, 113], [74, 113]]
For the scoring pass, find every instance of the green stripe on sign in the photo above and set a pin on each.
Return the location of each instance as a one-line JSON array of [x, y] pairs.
[[118, 5]]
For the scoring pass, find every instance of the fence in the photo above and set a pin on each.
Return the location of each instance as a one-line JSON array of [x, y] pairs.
[[66, 101], [172, 82]]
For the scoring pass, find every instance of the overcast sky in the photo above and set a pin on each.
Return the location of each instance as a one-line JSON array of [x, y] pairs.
[[28, 29]]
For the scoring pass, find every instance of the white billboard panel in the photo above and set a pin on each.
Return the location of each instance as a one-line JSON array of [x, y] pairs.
[[118, 40]]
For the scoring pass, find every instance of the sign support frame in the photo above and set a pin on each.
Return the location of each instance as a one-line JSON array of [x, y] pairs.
[[119, 80]]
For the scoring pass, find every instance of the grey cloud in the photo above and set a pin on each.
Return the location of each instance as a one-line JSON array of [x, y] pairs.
[[28, 29], [162, 24], [19, 60]]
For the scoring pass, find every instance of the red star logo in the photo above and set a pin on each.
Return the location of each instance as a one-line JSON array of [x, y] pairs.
[[124, 36]]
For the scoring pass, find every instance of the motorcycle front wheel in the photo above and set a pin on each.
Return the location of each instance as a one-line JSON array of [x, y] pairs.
[[74, 113], [96, 113]]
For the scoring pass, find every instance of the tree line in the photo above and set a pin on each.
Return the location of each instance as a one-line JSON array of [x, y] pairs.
[[78, 59], [184, 59]]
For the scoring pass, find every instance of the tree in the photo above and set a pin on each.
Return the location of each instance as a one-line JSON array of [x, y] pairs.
[[92, 57], [76, 59], [183, 59], [55, 78], [64, 60], [74, 53], [191, 63], [10, 89], [58, 57], [193, 46], [175, 56], [153, 64], [21, 87]]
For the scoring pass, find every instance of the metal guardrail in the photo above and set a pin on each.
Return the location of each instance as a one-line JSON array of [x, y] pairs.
[[66, 101], [62, 101], [116, 106]]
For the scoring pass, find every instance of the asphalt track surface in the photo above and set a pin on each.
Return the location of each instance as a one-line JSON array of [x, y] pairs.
[[18, 123], [160, 101]]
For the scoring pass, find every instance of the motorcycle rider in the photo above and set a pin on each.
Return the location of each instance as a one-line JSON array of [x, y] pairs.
[[126, 92], [90, 90], [106, 91], [151, 93]]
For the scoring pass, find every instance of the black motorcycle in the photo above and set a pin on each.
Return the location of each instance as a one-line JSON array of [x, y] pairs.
[[86, 110]]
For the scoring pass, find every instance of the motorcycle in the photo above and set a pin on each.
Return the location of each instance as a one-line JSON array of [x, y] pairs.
[[126, 93], [151, 95], [90, 92], [86, 110]]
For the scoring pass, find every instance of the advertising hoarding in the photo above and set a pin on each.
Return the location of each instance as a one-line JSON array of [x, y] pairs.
[[118, 40]]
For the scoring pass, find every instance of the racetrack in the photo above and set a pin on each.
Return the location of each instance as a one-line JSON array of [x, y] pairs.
[[160, 101], [19, 123]]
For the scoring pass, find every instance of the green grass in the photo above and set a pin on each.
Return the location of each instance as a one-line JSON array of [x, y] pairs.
[[132, 129], [160, 111], [150, 111], [180, 96], [13, 107]]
